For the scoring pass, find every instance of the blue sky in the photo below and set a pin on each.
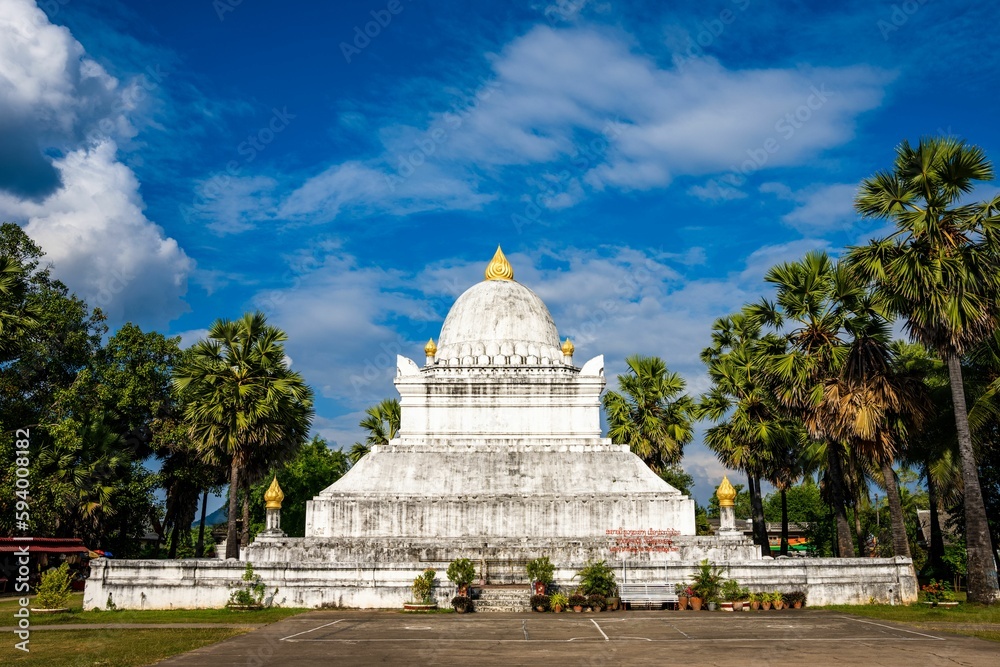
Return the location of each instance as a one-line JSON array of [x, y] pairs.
[[642, 164]]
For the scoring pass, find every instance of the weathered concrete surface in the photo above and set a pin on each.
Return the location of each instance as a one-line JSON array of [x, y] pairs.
[[186, 584], [803, 637]]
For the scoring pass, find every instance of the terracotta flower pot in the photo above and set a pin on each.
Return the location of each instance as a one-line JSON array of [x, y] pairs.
[[557, 608], [798, 605], [539, 588], [766, 606], [737, 605], [578, 608], [682, 602], [779, 605], [755, 605], [695, 603]]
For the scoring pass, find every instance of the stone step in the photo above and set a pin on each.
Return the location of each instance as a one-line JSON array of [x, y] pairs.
[[503, 600]]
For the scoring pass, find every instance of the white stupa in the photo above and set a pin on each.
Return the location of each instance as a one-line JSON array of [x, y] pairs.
[[500, 442]]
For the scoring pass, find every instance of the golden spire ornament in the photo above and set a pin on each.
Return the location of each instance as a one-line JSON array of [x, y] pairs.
[[568, 348], [273, 496], [726, 493], [499, 268], [430, 349]]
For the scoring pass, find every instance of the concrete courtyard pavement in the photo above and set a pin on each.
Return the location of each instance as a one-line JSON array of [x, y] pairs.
[[801, 637]]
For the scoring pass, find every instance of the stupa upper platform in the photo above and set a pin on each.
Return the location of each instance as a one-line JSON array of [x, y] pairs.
[[500, 437]]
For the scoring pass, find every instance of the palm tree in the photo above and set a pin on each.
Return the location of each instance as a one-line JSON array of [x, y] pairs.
[[813, 306], [751, 431], [650, 413], [382, 422], [243, 402], [940, 270], [14, 322]]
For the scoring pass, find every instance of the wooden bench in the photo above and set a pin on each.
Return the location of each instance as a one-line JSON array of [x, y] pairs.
[[647, 594]]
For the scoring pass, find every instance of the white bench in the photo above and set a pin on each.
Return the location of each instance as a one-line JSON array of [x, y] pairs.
[[647, 594]]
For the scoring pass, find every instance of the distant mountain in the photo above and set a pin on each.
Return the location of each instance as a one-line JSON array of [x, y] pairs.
[[215, 518]]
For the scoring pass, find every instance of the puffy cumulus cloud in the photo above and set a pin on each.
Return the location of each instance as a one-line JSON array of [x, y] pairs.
[[82, 207], [587, 112], [52, 95], [93, 230]]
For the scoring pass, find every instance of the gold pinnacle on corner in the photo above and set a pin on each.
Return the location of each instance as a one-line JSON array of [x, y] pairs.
[[273, 496], [430, 349], [499, 268], [726, 493], [568, 348]]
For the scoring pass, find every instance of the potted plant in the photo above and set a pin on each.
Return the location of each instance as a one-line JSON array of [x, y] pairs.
[[755, 599], [681, 591], [795, 599], [706, 583], [461, 604], [765, 601], [596, 578], [577, 602], [423, 584], [712, 603], [54, 591], [742, 602], [461, 572], [777, 600], [558, 601], [540, 571], [597, 602], [540, 603], [730, 595]]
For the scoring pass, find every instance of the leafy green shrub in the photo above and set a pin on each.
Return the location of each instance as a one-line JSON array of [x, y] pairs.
[[596, 578], [706, 581], [597, 602], [935, 592], [542, 601], [55, 588], [731, 590], [250, 593], [541, 569], [461, 603], [422, 587], [558, 600], [461, 572], [795, 596]]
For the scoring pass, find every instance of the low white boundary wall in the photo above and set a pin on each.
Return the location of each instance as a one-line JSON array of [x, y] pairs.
[[184, 584]]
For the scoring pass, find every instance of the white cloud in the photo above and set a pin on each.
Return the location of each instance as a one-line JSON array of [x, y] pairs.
[[101, 244], [819, 207], [587, 112], [714, 190], [83, 208]]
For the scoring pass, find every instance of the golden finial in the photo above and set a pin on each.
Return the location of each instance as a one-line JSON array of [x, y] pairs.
[[499, 268], [273, 496], [430, 349], [568, 348], [726, 493]]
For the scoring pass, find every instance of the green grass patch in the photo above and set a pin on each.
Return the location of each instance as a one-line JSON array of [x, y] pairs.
[[109, 648], [972, 620], [78, 615]]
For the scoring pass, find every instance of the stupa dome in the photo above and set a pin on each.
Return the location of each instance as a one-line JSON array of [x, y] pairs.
[[499, 322]]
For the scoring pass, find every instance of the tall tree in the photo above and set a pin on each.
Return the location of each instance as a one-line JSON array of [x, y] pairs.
[[940, 270], [650, 413], [243, 400], [750, 429]]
